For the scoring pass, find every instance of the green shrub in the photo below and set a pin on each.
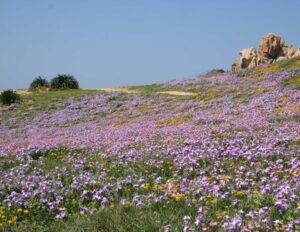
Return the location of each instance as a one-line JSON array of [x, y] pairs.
[[9, 97], [64, 82], [215, 72], [39, 83]]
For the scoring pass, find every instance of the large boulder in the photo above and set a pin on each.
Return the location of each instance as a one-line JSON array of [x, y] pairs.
[[289, 52], [271, 49], [236, 66], [248, 57], [271, 46]]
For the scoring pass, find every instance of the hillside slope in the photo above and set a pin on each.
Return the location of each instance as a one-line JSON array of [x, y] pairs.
[[225, 157]]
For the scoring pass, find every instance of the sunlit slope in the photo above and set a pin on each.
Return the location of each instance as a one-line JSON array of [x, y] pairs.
[[225, 158]]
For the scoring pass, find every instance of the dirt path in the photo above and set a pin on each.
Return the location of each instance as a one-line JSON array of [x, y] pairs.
[[125, 90], [19, 91], [178, 93], [116, 89]]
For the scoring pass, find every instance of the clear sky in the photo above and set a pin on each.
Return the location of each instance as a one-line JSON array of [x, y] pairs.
[[131, 42]]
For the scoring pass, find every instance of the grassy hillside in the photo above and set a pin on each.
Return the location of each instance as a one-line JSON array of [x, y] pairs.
[[225, 158]]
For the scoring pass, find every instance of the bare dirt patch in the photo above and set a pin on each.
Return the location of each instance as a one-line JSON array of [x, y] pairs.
[[125, 90], [116, 89], [178, 93]]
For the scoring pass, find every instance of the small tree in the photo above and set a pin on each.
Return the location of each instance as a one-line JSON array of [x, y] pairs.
[[8, 97], [39, 83], [64, 82]]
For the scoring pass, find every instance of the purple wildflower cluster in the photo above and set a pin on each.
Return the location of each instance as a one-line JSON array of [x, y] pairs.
[[231, 153]]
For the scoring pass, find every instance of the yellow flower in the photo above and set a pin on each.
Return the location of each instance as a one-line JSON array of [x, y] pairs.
[[178, 197], [174, 190], [224, 178], [163, 186], [218, 214], [194, 200], [146, 186], [259, 89], [212, 178], [239, 193], [127, 204], [19, 210], [112, 206], [214, 201], [26, 211], [283, 99], [255, 192], [295, 172]]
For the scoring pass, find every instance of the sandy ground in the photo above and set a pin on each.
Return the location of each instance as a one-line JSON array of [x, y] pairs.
[[178, 93], [20, 91], [120, 89], [125, 90], [23, 91], [116, 89]]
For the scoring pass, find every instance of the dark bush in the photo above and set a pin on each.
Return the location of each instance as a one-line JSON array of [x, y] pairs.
[[8, 97], [39, 83], [215, 72], [64, 82]]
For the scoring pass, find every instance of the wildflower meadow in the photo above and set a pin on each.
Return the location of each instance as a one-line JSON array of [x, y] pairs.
[[224, 158]]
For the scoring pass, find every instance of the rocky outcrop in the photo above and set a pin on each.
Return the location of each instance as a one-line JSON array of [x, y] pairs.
[[272, 48]]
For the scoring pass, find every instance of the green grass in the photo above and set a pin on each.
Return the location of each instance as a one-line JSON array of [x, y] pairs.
[[38, 101], [45, 99], [7, 163], [293, 82], [154, 215], [147, 89], [295, 118], [152, 218], [289, 64]]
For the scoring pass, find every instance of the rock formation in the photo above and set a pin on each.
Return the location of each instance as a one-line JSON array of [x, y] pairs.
[[271, 49]]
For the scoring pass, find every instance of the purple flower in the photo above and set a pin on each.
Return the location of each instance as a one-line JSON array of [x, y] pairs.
[[61, 215], [83, 210]]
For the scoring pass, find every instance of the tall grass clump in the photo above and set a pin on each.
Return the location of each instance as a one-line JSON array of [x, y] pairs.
[[64, 82]]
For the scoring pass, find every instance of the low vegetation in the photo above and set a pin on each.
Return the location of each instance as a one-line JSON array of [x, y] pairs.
[[224, 159], [39, 83], [64, 82], [9, 97]]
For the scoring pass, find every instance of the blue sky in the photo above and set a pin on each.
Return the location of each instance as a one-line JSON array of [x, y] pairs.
[[132, 42]]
